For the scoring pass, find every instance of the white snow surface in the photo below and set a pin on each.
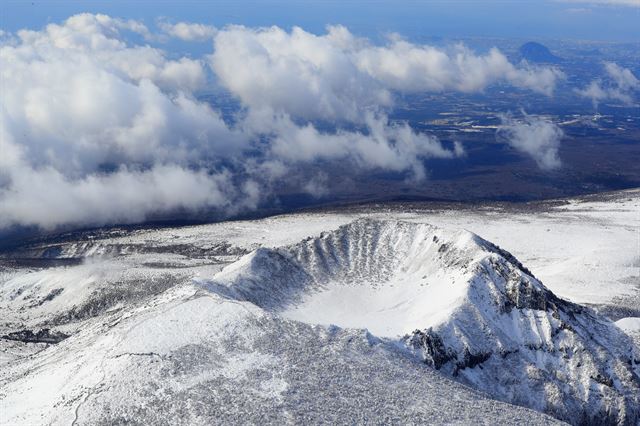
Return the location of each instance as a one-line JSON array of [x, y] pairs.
[[586, 250], [629, 324], [384, 276], [193, 357], [469, 307], [182, 326]]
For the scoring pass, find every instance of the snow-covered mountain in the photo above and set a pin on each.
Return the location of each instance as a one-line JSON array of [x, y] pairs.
[[468, 308], [193, 357], [324, 317]]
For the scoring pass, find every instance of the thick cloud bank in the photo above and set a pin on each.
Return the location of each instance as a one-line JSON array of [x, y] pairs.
[[339, 76], [96, 130], [188, 31], [534, 136]]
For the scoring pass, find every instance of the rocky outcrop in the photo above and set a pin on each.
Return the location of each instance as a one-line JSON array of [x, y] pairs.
[[44, 335]]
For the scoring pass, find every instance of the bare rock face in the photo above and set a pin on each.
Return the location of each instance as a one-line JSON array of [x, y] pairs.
[[44, 335], [530, 348]]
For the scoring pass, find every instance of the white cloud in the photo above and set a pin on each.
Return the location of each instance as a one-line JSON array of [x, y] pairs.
[[296, 73], [317, 186], [75, 115], [623, 77], [389, 146], [188, 31], [47, 197], [534, 136], [96, 130], [337, 76], [97, 39], [620, 85], [282, 78], [626, 3], [412, 68]]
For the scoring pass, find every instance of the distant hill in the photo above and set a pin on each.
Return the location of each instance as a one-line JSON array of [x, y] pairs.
[[537, 53]]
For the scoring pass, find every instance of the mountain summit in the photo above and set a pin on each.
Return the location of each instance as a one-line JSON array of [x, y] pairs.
[[459, 303], [537, 53], [377, 321]]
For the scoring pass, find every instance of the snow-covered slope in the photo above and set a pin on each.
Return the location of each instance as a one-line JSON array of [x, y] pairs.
[[467, 307], [191, 357], [160, 333]]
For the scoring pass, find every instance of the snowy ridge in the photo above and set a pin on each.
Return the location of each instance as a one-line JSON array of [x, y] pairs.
[[443, 308], [465, 306]]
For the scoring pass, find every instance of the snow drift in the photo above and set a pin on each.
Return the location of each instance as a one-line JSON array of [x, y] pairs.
[[465, 306]]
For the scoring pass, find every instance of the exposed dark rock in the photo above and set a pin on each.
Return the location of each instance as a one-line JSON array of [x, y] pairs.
[[607, 381], [506, 353], [434, 352], [471, 360], [121, 291], [52, 295], [44, 335], [489, 246], [522, 294]]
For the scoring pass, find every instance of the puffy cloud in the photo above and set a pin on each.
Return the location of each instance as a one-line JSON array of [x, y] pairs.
[[384, 145], [337, 76], [411, 68], [623, 77], [282, 78], [97, 38], [86, 31], [47, 198], [188, 31], [620, 85], [596, 93], [73, 114], [317, 186], [534, 136], [96, 130], [296, 73]]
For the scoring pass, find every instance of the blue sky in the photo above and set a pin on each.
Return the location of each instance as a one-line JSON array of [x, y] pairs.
[[537, 19]]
